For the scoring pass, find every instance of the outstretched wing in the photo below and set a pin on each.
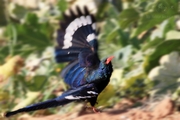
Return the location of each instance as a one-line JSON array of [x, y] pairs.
[[77, 44], [81, 93]]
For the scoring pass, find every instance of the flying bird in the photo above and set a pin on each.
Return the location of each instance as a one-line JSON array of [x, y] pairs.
[[85, 74]]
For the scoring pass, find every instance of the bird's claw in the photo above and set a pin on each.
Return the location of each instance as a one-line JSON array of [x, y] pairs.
[[96, 110]]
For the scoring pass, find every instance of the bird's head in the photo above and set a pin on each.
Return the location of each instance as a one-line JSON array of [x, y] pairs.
[[107, 61], [106, 65]]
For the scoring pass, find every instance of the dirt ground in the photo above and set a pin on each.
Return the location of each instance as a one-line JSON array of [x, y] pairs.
[[163, 110]]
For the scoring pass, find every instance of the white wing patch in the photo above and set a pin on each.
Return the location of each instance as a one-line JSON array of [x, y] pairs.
[[83, 20], [71, 97], [77, 21], [67, 41], [73, 26], [92, 92], [94, 26], [89, 20], [91, 37]]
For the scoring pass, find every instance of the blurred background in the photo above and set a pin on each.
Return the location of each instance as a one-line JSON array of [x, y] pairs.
[[144, 37]]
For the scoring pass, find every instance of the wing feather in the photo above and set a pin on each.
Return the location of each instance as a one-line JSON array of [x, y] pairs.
[[77, 44]]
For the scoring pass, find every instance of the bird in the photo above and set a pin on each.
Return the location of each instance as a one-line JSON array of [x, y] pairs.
[[85, 74]]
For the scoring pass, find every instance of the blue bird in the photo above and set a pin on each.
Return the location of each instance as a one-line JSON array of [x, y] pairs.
[[85, 74]]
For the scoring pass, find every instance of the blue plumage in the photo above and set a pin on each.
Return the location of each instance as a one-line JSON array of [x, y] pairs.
[[75, 76], [85, 74]]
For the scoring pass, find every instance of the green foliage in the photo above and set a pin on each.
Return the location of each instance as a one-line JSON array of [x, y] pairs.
[[153, 59], [33, 34], [19, 11], [128, 16], [150, 29], [166, 75], [135, 88], [160, 10], [3, 20], [62, 5], [36, 84]]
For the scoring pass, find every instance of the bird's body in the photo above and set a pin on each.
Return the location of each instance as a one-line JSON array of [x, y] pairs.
[[86, 75]]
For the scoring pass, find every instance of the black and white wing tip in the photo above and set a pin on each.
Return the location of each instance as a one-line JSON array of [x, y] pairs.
[[77, 32]]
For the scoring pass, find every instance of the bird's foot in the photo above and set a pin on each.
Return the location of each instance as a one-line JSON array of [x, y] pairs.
[[94, 109]]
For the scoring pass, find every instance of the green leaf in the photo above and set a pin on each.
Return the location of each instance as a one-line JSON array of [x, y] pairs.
[[4, 52], [31, 19], [128, 16], [164, 48], [107, 10], [152, 44], [112, 35], [161, 10], [3, 20], [135, 42], [166, 75], [123, 56], [19, 11], [101, 13], [32, 37], [62, 5], [173, 35], [123, 37], [169, 26], [33, 34], [37, 83], [110, 30]]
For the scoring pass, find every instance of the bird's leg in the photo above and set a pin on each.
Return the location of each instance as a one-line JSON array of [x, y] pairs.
[[96, 110]]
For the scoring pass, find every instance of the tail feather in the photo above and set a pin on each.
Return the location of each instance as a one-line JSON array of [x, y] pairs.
[[81, 93], [38, 106]]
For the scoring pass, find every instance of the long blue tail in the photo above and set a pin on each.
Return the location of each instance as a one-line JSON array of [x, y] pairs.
[[41, 105], [80, 93]]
